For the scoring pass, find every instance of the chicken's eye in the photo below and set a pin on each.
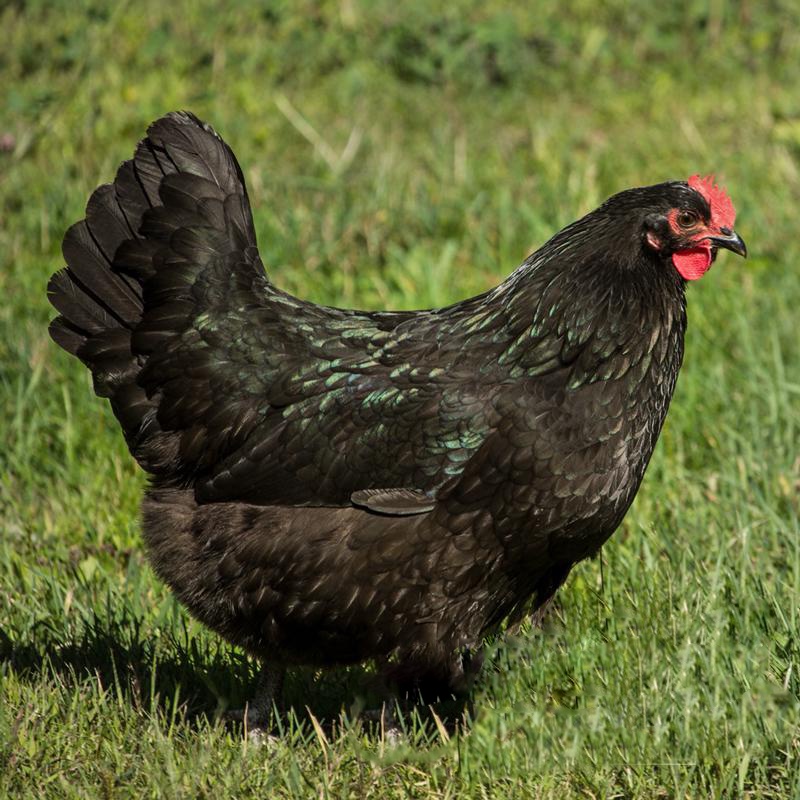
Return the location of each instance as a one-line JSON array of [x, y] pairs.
[[687, 219]]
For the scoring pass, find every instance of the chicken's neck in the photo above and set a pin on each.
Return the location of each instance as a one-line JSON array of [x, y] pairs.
[[600, 316]]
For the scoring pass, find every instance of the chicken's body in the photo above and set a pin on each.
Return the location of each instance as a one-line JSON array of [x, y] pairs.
[[331, 486]]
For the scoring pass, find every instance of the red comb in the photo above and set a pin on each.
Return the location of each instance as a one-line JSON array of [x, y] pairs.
[[723, 214]]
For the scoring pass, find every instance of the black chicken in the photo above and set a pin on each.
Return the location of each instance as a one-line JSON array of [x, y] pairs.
[[331, 486]]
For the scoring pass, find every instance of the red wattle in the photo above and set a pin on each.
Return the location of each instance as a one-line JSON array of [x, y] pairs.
[[692, 264]]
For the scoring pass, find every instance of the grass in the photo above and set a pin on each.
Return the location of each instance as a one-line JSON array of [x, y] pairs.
[[403, 157]]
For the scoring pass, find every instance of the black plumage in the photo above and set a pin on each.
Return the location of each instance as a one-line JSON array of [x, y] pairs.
[[329, 486]]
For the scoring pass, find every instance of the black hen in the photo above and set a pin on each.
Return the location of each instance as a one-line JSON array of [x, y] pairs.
[[329, 486]]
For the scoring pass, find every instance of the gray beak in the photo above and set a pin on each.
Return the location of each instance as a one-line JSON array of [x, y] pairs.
[[730, 240]]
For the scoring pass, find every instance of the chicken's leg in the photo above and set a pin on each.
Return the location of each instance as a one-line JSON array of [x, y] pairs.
[[258, 710], [385, 716]]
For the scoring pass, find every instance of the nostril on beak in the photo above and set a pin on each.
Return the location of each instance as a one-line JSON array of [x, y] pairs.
[[726, 231]]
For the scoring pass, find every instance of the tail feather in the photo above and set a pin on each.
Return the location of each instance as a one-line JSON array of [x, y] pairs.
[[64, 333], [82, 312], [181, 176], [92, 269], [106, 222], [132, 195]]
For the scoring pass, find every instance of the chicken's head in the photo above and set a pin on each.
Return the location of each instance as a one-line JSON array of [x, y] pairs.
[[693, 230]]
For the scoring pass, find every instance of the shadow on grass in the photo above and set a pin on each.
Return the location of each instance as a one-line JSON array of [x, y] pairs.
[[198, 685]]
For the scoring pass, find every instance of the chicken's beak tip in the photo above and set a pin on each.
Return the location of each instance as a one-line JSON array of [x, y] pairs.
[[730, 241]]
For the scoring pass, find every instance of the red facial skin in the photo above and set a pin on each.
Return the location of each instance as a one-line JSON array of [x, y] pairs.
[[693, 262]]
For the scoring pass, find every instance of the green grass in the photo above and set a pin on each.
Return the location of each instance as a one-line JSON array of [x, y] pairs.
[[672, 668]]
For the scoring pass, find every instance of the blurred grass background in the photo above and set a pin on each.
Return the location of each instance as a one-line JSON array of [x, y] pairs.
[[401, 155]]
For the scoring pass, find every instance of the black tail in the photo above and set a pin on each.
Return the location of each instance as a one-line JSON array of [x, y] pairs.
[[102, 294]]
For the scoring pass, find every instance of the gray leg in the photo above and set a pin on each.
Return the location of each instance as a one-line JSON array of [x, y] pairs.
[[257, 712], [390, 729]]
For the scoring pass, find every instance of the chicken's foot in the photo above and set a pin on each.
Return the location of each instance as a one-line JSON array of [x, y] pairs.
[[257, 713]]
